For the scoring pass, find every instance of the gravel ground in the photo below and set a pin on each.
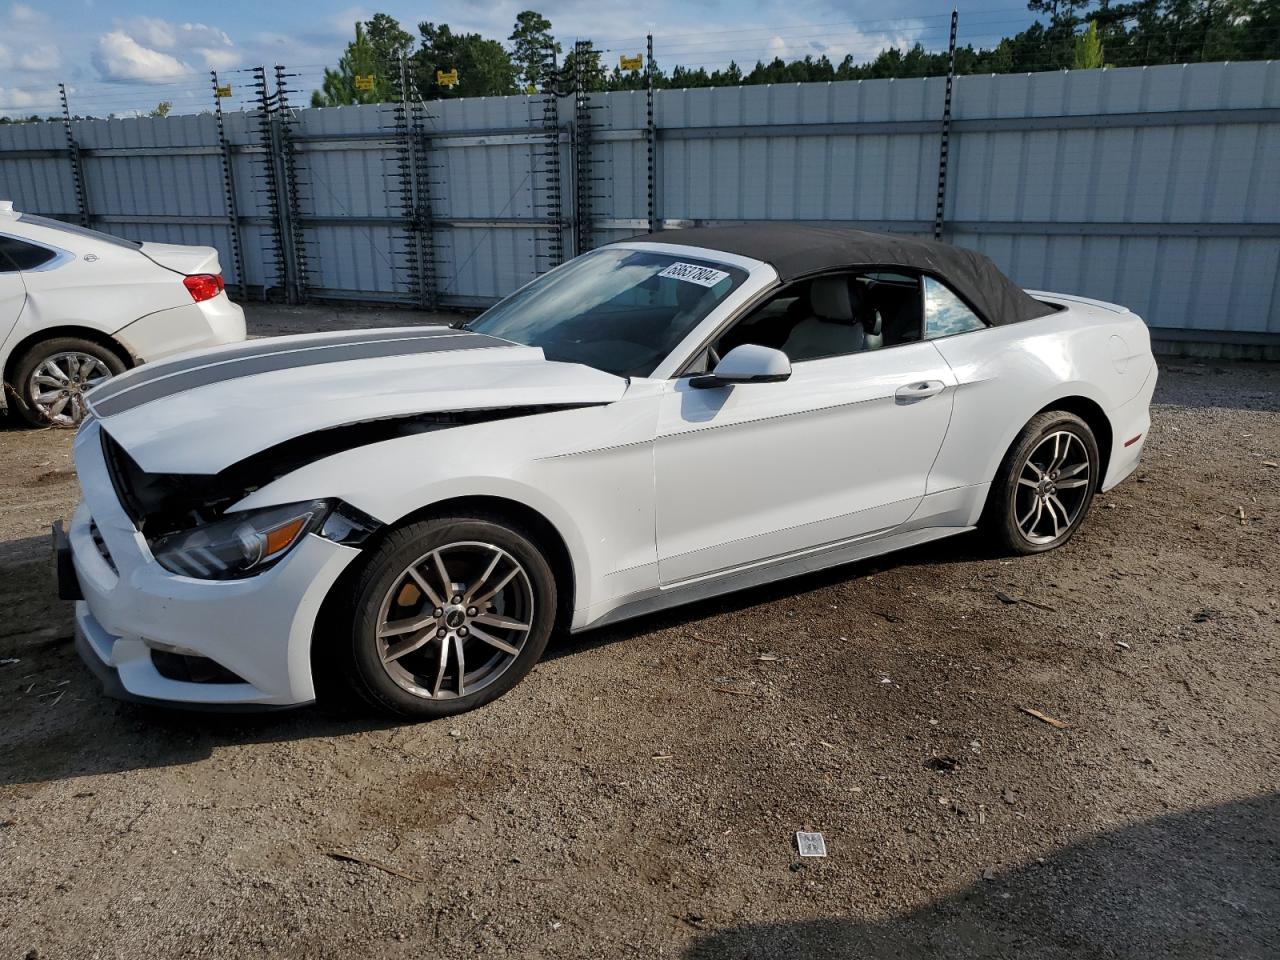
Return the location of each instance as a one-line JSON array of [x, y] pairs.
[[638, 795]]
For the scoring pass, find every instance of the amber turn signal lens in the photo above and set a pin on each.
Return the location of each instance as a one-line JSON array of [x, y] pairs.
[[283, 536]]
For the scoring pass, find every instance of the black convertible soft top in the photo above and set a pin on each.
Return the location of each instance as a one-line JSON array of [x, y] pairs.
[[795, 250]]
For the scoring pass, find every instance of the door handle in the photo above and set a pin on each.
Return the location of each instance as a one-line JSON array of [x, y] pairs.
[[919, 390]]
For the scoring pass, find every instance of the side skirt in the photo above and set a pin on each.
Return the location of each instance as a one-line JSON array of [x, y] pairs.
[[809, 562]]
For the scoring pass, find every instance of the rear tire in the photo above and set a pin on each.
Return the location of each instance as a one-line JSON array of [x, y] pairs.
[[446, 615], [51, 378], [1045, 484]]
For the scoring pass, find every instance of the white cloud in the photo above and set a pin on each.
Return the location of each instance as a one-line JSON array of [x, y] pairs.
[[39, 58], [152, 32], [121, 57], [219, 58], [15, 101], [21, 13], [210, 46]]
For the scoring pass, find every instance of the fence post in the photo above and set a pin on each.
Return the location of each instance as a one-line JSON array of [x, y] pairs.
[[270, 181], [228, 187], [73, 154], [650, 135], [550, 173], [945, 146], [411, 168], [295, 240], [582, 161]]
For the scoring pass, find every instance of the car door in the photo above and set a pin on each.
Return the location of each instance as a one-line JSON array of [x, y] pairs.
[[13, 292], [756, 472]]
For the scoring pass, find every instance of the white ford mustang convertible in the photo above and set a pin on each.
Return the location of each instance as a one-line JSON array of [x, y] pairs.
[[407, 514]]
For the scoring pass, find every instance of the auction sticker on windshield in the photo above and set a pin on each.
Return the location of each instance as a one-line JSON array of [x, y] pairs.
[[702, 276]]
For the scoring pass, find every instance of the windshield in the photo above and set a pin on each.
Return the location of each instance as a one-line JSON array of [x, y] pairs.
[[78, 230], [618, 310]]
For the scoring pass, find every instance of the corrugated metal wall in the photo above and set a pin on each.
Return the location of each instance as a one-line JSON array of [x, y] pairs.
[[1158, 188]]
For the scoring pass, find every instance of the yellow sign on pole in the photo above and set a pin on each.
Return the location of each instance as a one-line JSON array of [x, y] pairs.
[[221, 92], [447, 78], [364, 81], [631, 63]]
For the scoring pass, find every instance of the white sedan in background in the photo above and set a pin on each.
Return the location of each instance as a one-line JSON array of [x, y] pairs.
[[78, 306], [408, 513]]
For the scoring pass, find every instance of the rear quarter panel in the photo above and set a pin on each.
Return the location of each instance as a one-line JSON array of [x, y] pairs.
[[1008, 374], [102, 294]]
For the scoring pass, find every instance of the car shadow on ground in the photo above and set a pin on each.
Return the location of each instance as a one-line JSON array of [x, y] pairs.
[[45, 737], [962, 548], [1204, 883]]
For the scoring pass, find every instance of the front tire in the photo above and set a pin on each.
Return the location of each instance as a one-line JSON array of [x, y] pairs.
[[1045, 484], [448, 614], [51, 378]]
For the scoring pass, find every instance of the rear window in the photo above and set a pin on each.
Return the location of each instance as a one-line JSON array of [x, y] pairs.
[[17, 254], [78, 231]]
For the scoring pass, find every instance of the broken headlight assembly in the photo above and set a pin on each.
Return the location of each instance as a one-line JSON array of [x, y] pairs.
[[244, 544]]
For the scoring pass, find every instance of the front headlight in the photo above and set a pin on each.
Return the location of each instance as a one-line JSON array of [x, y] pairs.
[[240, 544]]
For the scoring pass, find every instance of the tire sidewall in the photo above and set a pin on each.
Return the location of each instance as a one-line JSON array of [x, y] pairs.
[[1039, 428], [40, 352], [367, 676]]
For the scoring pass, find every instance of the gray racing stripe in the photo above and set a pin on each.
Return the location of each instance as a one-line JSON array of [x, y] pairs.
[[259, 348], [250, 366]]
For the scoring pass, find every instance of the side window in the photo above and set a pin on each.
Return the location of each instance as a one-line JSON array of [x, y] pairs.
[[833, 316], [945, 313], [17, 254]]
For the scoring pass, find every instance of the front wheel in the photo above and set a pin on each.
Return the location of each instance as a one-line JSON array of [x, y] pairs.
[[447, 614], [1045, 484]]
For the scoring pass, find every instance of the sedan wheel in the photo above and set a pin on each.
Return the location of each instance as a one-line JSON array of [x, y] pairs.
[[1045, 484], [56, 388], [445, 615], [51, 379]]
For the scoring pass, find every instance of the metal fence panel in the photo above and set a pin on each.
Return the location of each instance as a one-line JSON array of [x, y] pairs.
[[1154, 187]]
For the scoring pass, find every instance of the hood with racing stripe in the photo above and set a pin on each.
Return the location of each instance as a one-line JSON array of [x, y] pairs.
[[199, 413]]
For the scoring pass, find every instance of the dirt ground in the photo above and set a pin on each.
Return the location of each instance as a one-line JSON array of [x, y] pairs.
[[639, 794]]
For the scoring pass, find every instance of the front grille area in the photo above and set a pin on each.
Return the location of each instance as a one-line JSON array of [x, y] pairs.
[[102, 546]]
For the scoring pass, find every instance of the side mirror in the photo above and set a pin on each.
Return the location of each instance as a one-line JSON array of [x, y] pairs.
[[748, 363]]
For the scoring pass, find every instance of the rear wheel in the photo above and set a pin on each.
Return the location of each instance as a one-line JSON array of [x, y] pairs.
[[447, 615], [52, 377], [1045, 484]]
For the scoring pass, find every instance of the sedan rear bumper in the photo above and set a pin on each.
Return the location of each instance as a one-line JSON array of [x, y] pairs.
[[193, 326]]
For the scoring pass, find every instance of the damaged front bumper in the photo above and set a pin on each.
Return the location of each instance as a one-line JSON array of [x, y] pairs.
[[157, 636]]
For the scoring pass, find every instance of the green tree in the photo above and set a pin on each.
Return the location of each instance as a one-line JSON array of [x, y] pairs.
[[338, 88], [161, 109], [532, 47], [1088, 55], [594, 75], [387, 39], [484, 67]]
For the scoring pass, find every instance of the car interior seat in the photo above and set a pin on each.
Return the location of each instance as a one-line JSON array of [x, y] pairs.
[[832, 328]]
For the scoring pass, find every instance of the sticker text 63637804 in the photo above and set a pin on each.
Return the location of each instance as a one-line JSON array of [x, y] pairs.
[[702, 276]]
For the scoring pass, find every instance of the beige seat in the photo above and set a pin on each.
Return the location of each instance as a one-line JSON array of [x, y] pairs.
[[831, 328]]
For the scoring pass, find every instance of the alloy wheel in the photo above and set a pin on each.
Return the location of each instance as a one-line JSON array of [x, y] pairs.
[[1053, 487], [455, 620], [57, 386]]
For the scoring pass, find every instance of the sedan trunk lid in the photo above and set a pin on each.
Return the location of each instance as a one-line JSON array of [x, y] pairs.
[[182, 259]]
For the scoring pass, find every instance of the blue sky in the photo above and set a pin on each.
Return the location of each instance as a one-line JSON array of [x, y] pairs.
[[127, 55]]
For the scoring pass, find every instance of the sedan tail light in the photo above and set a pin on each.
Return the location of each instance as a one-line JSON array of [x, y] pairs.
[[204, 286]]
